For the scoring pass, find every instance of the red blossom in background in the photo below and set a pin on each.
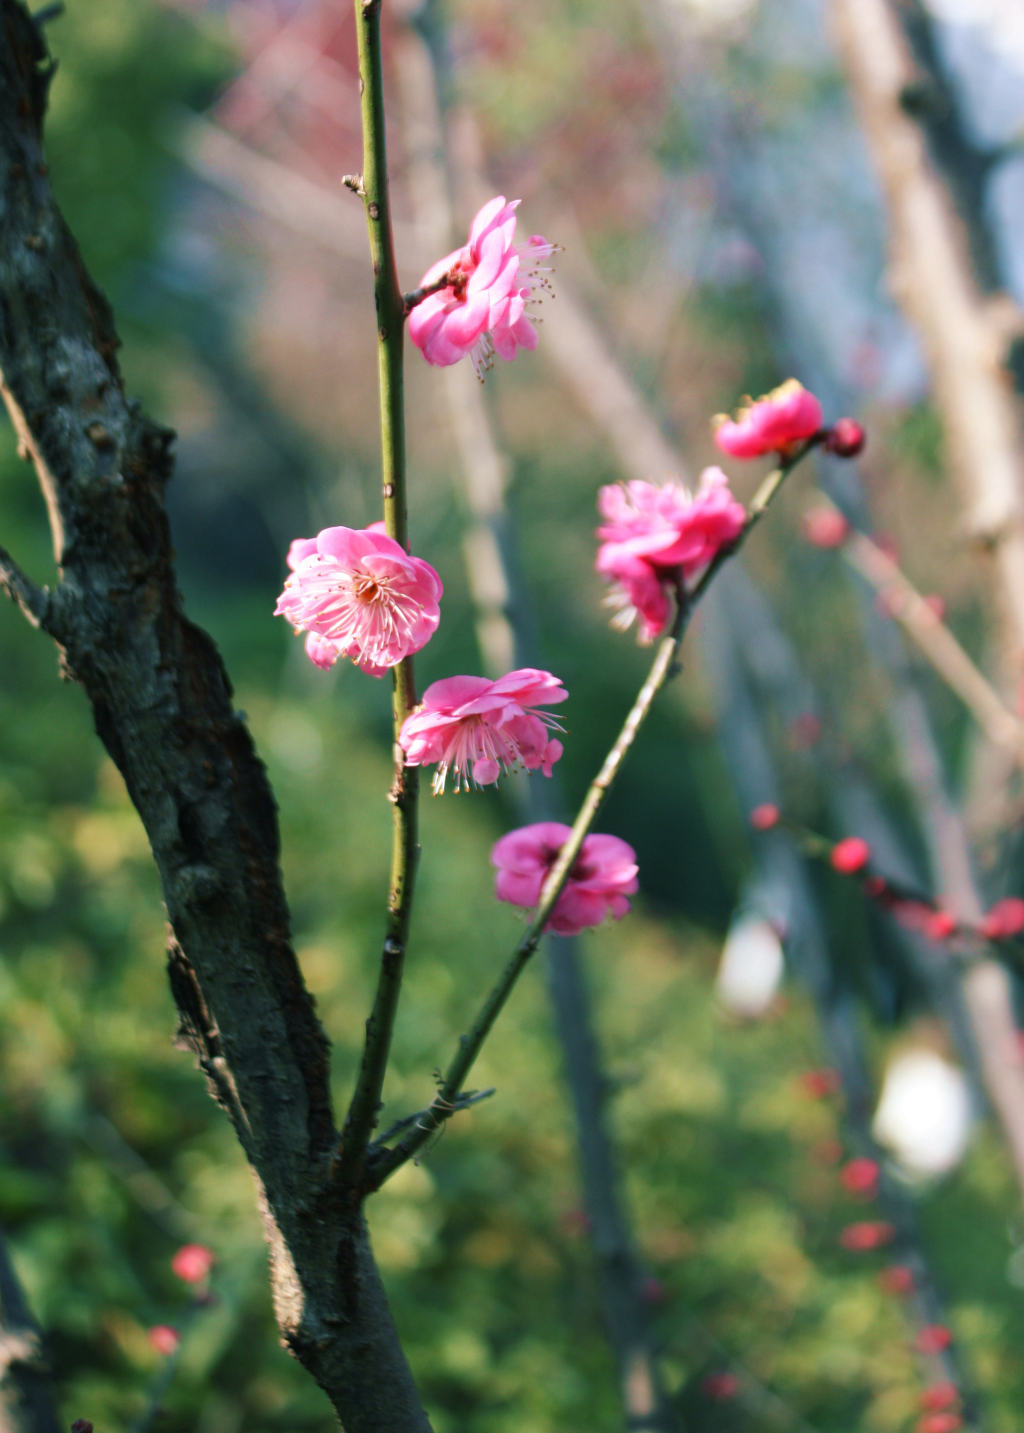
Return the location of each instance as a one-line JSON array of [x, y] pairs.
[[482, 311], [816, 1084], [720, 1386], [868, 1234], [939, 1423], [1006, 918], [850, 855], [826, 1151], [896, 1279], [764, 817], [933, 1338], [804, 731], [192, 1263], [603, 875], [786, 415], [860, 1176], [939, 1396], [163, 1338], [825, 527]]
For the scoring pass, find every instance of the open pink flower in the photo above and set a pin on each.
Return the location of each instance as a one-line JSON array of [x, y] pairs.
[[359, 595], [483, 310], [603, 875], [654, 537], [782, 417], [478, 728]]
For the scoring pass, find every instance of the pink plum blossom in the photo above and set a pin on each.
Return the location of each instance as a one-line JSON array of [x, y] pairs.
[[478, 728], [782, 417], [482, 311], [655, 537], [358, 594], [603, 875]]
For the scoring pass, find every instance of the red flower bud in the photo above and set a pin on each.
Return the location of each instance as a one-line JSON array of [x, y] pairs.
[[764, 817], [850, 855], [845, 438]]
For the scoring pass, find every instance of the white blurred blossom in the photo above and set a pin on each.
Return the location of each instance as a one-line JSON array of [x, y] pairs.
[[924, 1113], [751, 968]]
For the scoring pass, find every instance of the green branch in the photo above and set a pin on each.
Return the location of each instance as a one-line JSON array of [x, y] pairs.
[[390, 308], [384, 1161]]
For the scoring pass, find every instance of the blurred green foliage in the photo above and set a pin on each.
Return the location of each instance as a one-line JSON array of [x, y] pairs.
[[111, 1153]]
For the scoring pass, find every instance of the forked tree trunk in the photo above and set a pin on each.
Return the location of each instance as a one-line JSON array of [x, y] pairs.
[[162, 705]]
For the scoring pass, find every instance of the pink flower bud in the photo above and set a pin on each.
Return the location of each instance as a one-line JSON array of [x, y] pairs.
[[192, 1263], [764, 817], [845, 438], [163, 1338], [825, 527], [850, 855]]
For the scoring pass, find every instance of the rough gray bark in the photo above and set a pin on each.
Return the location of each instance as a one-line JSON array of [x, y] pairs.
[[162, 706]]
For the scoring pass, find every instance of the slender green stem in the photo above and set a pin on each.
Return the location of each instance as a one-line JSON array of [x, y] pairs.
[[447, 1100], [390, 309]]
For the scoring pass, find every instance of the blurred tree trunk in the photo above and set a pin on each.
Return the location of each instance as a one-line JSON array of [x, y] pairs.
[[26, 1400], [162, 706], [944, 273]]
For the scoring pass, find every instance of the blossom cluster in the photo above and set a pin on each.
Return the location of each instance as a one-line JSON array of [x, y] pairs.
[[357, 593]]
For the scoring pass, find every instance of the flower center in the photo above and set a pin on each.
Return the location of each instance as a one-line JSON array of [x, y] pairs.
[[366, 589]]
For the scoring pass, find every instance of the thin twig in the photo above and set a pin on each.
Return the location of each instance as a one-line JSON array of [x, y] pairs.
[[935, 640], [362, 1112], [416, 296]]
